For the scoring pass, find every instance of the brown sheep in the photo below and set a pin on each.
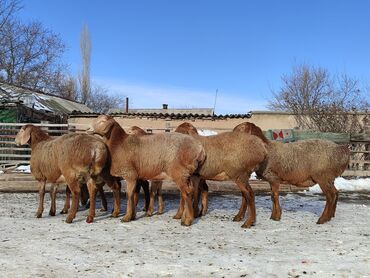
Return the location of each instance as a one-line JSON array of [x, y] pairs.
[[73, 158], [302, 163], [230, 156], [156, 157], [156, 186]]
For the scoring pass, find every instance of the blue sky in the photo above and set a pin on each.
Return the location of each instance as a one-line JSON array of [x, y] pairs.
[[180, 52]]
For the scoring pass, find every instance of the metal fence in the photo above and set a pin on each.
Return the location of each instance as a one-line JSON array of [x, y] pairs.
[[11, 156]]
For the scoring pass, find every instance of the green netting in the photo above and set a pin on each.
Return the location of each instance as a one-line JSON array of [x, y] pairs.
[[290, 135], [8, 115]]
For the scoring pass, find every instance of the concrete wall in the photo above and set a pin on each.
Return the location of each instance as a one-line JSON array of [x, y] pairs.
[[264, 120]]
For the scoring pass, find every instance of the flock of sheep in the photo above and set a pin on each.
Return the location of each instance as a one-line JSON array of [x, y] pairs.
[[182, 156]]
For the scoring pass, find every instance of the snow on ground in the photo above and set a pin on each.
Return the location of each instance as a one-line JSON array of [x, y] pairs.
[[343, 184], [23, 169], [213, 246]]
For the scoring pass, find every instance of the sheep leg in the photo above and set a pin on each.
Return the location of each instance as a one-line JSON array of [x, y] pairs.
[[91, 186], [85, 196], [53, 197], [130, 208], [150, 210], [276, 208], [115, 186], [180, 210], [243, 207], [251, 208], [136, 192], [102, 196], [160, 198], [75, 190], [153, 190], [195, 180], [330, 200], [188, 215], [249, 203], [67, 201], [204, 197], [145, 187], [334, 208], [187, 191], [40, 209]]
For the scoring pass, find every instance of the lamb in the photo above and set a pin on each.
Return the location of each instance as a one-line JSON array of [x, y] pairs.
[[302, 163], [155, 157], [230, 156], [74, 158], [156, 185]]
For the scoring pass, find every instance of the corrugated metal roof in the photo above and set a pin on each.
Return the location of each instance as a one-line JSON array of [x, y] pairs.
[[40, 101], [205, 111], [173, 116]]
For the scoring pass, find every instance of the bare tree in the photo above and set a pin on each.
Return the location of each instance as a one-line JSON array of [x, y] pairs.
[[85, 46], [320, 101], [29, 55], [66, 86], [100, 101], [7, 9]]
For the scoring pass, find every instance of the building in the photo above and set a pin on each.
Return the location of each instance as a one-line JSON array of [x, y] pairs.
[[19, 105]]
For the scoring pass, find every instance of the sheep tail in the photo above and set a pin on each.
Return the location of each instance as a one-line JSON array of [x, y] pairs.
[[200, 161]]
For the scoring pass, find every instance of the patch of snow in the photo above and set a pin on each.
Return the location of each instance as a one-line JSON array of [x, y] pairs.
[[206, 132], [158, 246], [253, 176], [343, 184], [1, 172], [23, 169]]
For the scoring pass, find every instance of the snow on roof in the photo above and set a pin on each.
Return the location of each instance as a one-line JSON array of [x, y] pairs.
[[39, 101], [206, 132]]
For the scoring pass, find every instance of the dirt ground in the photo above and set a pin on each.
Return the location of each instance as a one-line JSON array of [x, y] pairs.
[[213, 246]]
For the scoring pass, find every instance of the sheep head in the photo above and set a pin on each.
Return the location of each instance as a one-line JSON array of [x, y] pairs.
[[136, 130], [24, 135], [102, 125], [187, 128], [252, 129]]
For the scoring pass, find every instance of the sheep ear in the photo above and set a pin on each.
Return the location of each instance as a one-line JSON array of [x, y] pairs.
[[24, 136]]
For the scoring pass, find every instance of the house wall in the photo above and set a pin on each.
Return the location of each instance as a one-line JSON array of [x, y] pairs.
[[265, 121]]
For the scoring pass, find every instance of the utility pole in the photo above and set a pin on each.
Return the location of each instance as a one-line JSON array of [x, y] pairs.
[[214, 105]]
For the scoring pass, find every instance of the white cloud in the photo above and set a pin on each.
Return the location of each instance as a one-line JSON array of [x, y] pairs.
[[152, 96]]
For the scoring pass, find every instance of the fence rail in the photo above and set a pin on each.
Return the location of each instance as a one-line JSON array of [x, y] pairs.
[[11, 155]]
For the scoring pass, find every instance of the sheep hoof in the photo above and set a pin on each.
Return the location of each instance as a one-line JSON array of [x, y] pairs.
[[149, 213], [275, 218], [126, 218], [177, 215], [248, 224], [237, 218], [322, 220], [103, 209], [115, 214], [160, 211], [52, 213], [38, 214], [64, 211], [186, 222], [69, 220], [89, 219]]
